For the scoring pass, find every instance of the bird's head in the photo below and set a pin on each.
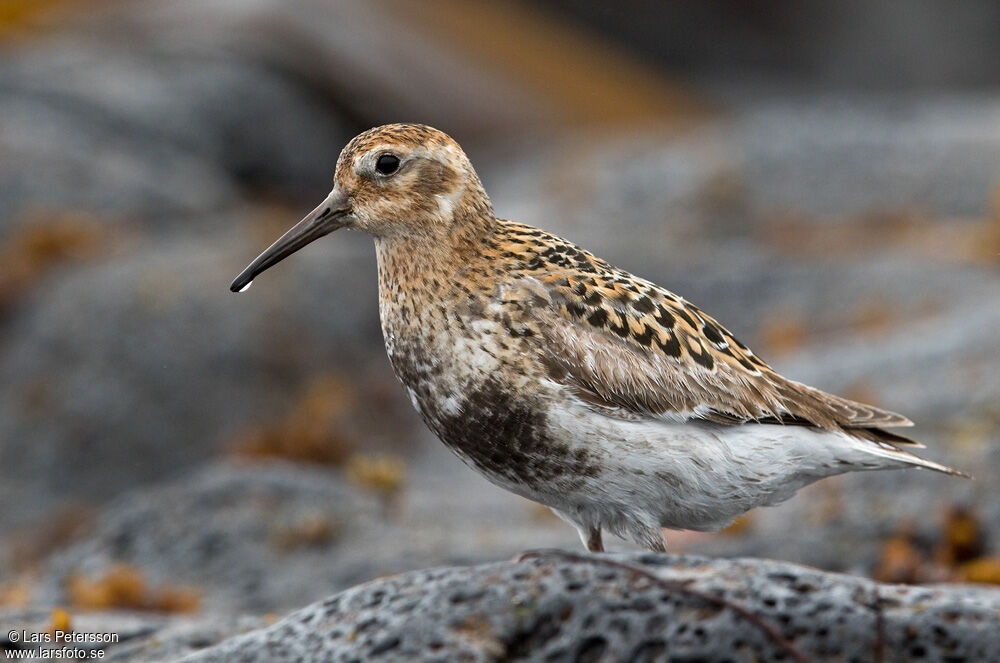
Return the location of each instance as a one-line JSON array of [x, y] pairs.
[[405, 181]]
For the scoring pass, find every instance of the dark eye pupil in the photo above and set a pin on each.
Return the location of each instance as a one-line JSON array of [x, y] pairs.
[[387, 164]]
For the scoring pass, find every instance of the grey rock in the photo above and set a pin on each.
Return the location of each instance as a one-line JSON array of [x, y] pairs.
[[258, 538], [152, 131], [842, 154], [125, 636], [937, 369], [144, 360], [61, 158], [329, 46], [553, 609], [252, 538], [864, 44]]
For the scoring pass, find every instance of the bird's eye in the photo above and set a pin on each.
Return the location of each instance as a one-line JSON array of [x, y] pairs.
[[387, 164]]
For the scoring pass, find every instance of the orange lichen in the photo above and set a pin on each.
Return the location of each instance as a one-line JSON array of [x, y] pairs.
[[312, 429], [982, 570], [901, 560], [962, 537], [176, 599], [125, 587], [984, 242], [40, 242], [959, 553], [577, 75], [15, 594], [310, 531], [121, 587], [60, 620], [28, 15], [384, 473]]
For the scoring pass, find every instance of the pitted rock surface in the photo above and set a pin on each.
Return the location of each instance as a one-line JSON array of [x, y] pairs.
[[555, 609]]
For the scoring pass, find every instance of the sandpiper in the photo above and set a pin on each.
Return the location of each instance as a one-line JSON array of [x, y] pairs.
[[568, 381]]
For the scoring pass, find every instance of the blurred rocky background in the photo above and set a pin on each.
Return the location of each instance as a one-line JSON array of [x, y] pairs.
[[824, 179]]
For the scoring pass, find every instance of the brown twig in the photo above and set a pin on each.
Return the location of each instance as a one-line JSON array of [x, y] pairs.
[[678, 588]]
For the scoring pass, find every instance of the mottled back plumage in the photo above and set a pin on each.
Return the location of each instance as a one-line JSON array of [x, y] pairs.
[[565, 379], [602, 327]]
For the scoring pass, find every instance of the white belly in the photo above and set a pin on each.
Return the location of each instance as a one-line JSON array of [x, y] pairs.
[[697, 476]]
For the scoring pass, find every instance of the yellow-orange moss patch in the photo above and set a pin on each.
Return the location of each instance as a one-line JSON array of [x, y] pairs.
[[982, 570], [312, 431], [60, 620], [123, 587], [310, 531], [41, 241], [384, 473]]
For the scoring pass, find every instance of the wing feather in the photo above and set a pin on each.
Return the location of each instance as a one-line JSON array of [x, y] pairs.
[[631, 349]]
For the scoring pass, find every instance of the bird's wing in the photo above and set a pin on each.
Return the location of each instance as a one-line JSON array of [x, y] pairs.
[[629, 348]]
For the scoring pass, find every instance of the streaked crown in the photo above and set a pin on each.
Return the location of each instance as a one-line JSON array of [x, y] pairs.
[[409, 179]]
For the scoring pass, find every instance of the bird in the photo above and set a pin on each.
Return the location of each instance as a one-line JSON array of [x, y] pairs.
[[609, 399]]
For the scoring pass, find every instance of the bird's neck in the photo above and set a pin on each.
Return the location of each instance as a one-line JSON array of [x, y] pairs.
[[421, 260], [423, 281]]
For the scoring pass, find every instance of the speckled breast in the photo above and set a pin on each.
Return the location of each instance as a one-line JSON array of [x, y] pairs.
[[476, 397]]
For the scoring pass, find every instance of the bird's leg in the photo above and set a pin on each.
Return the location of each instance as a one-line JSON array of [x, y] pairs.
[[590, 535], [593, 540]]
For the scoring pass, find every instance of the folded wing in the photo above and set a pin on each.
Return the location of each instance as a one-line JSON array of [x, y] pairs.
[[631, 349]]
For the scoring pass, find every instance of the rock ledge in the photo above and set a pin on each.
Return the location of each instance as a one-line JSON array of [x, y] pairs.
[[559, 607]]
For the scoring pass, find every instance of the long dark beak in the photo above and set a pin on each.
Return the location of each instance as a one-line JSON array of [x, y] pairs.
[[321, 221]]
